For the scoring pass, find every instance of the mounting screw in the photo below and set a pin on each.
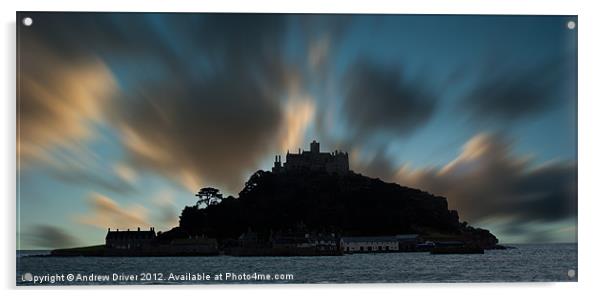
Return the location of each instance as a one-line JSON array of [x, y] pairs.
[[27, 21], [571, 25], [571, 273]]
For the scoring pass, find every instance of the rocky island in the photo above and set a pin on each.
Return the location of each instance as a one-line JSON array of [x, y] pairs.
[[310, 205]]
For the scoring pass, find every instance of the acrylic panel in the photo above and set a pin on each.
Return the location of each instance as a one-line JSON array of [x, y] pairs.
[[204, 148]]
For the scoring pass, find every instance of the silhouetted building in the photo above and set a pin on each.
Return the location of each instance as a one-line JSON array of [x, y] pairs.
[[408, 242], [129, 239], [369, 244], [291, 240], [313, 160]]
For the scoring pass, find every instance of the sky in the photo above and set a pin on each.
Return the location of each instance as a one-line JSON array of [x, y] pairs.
[[123, 117]]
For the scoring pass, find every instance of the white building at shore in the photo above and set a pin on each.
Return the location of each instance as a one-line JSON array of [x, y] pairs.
[[369, 244]]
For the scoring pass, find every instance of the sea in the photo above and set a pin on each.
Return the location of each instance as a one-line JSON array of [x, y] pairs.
[[522, 263]]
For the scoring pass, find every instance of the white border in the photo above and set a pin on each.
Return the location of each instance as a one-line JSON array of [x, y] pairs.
[[589, 141]]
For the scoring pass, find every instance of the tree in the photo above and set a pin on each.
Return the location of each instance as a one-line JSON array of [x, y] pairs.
[[208, 196]]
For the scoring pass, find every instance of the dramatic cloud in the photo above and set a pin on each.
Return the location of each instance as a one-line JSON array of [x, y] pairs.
[[202, 112], [46, 236], [318, 52], [488, 181], [125, 172], [503, 93], [216, 127], [377, 165], [87, 174], [380, 99], [323, 37], [106, 213], [492, 187], [299, 113], [322, 34], [160, 212], [59, 102]]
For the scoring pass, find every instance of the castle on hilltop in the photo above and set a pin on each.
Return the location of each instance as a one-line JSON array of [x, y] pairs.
[[313, 160]]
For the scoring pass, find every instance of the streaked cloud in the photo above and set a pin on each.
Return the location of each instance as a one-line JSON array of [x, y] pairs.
[[203, 112], [492, 186], [166, 213], [380, 99], [106, 213], [489, 180], [89, 174], [317, 54], [322, 35], [125, 172], [213, 127], [503, 92], [59, 103], [48, 236], [377, 165], [62, 101], [298, 114]]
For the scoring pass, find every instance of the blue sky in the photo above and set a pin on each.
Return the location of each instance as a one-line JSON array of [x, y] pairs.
[[123, 116]]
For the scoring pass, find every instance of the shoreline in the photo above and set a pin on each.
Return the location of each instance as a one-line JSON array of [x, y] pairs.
[[101, 251]]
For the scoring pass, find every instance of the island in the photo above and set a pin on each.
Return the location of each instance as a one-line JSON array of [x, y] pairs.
[[310, 205]]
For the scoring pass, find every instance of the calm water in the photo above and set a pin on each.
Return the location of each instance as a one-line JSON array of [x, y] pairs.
[[549, 262]]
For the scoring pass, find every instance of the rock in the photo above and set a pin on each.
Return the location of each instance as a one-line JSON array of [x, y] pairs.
[[349, 204]]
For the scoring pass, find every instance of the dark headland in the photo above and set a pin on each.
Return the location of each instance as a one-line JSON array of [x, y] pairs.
[[310, 205]]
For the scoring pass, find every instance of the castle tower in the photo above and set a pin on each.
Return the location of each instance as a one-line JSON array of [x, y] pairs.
[[277, 164], [314, 147]]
